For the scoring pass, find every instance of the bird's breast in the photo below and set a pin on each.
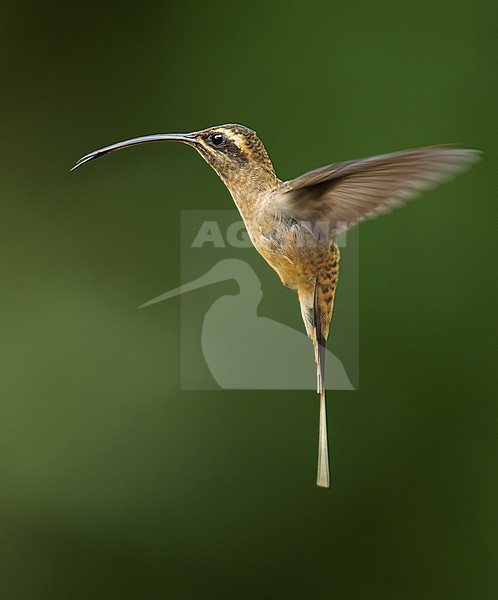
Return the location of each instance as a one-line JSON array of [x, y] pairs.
[[296, 255]]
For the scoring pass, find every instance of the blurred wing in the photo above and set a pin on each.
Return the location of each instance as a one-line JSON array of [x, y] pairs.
[[332, 199]]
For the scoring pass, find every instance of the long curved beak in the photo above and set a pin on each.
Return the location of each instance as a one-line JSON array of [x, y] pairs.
[[187, 138]]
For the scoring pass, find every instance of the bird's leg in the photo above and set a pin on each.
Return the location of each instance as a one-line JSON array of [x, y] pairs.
[[307, 314]]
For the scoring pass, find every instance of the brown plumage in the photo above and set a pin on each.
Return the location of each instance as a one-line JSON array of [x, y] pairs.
[[294, 224]]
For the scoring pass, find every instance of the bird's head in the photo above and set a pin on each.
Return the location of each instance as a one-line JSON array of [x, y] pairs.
[[235, 152]]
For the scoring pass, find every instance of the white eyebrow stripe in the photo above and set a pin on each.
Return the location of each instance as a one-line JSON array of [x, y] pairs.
[[238, 139]]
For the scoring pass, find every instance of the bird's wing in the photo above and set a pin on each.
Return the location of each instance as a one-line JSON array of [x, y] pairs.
[[332, 199]]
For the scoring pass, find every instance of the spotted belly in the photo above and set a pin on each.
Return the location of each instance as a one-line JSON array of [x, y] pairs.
[[299, 260]]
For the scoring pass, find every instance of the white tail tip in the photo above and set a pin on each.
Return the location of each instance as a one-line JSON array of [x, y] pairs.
[[323, 476]]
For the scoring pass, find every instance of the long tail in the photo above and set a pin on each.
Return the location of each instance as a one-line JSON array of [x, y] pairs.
[[319, 342], [316, 310]]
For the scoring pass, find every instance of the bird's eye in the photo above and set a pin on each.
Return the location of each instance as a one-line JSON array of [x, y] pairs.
[[217, 139]]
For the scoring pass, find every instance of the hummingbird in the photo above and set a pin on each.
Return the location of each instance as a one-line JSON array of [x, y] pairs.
[[294, 224]]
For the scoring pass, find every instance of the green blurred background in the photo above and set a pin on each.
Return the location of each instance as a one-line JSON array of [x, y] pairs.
[[116, 484]]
